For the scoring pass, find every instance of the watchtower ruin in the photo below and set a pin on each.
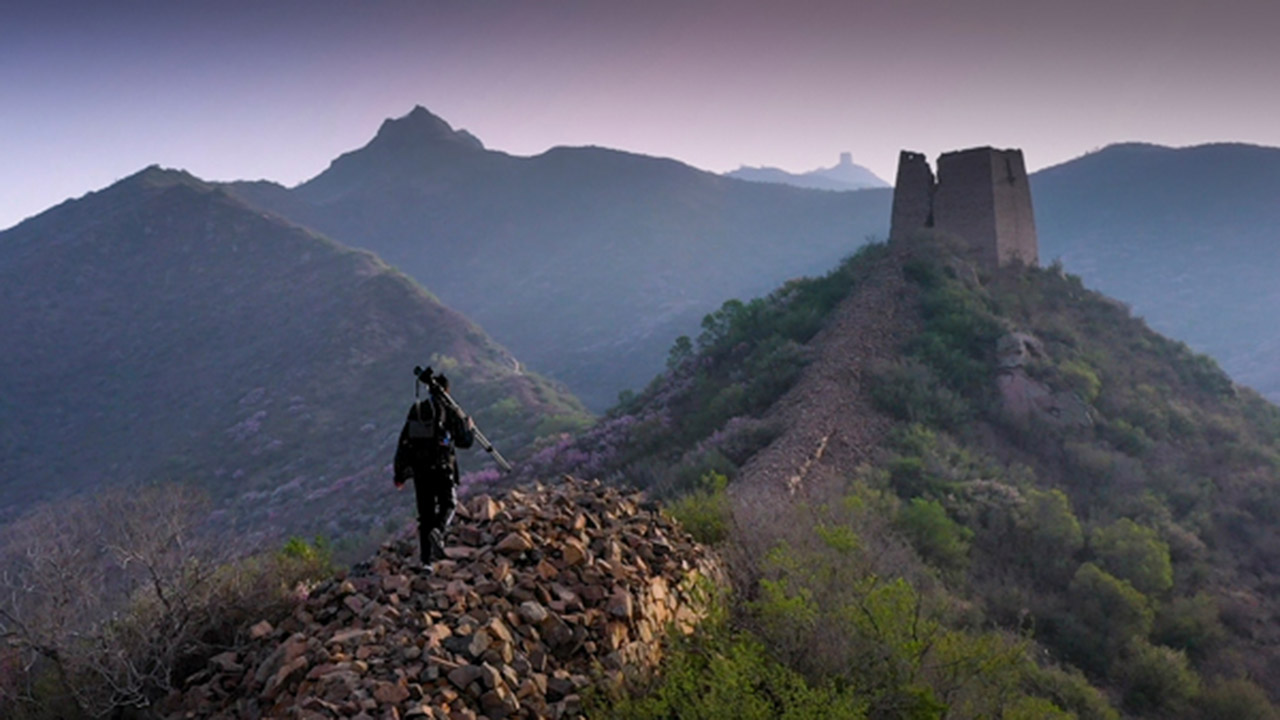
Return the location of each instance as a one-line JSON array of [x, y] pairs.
[[981, 195]]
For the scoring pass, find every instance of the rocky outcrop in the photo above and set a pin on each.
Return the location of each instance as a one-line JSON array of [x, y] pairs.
[[1024, 397], [545, 591]]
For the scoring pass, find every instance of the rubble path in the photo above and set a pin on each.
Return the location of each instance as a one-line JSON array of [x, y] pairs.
[[547, 590], [830, 423]]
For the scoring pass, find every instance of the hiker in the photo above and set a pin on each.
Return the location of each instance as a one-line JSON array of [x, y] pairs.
[[425, 454]]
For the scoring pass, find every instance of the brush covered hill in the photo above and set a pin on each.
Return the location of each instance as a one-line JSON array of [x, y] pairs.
[[951, 493], [161, 329], [1187, 236], [585, 261]]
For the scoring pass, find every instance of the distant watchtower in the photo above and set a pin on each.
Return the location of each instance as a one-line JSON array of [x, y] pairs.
[[981, 195]]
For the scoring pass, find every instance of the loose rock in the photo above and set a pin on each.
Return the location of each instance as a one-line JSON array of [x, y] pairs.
[[543, 587]]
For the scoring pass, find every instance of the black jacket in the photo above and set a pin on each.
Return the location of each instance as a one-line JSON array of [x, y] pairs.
[[431, 432]]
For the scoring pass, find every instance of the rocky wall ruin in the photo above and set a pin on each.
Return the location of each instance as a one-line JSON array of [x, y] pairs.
[[981, 196], [912, 196]]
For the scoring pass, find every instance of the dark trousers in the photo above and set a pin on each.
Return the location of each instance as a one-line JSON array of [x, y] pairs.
[[437, 498]]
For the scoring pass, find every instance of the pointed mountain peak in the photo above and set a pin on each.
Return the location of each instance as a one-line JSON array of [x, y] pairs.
[[154, 177], [422, 126]]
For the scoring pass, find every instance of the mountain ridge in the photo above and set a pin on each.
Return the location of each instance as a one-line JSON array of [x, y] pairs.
[[843, 176], [1201, 224], [178, 333], [607, 254]]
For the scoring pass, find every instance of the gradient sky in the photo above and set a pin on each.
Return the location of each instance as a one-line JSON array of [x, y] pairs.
[[91, 92]]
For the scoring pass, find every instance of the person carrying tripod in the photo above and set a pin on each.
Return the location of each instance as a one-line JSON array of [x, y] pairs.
[[425, 454]]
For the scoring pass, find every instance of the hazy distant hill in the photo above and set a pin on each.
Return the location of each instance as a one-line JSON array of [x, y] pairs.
[[1189, 237], [161, 329], [843, 176], [586, 262]]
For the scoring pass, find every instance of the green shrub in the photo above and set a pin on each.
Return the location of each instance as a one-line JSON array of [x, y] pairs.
[[910, 478], [910, 391], [1081, 378], [959, 336], [680, 353], [1235, 700], [825, 613], [1191, 624], [1053, 536], [1157, 680], [1069, 689], [704, 513], [1126, 437], [562, 423], [1110, 613], [1034, 708], [722, 673], [938, 538], [1135, 553], [1199, 371], [690, 474], [317, 554]]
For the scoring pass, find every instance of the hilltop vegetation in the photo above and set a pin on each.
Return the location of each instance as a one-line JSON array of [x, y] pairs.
[[983, 560]]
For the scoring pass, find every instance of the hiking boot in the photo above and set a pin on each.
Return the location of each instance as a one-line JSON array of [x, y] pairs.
[[436, 551]]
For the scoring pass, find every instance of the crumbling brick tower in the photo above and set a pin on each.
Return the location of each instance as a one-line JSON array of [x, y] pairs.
[[981, 196]]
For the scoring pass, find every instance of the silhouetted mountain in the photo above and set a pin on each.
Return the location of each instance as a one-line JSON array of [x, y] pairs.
[[843, 176], [162, 329], [587, 262], [1189, 237]]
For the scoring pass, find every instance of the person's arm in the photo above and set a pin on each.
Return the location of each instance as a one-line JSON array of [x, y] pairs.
[[462, 430], [402, 468]]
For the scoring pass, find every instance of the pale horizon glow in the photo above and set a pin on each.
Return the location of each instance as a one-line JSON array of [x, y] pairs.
[[93, 92]]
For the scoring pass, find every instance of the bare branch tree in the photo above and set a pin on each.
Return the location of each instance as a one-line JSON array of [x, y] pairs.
[[76, 575], [114, 597]]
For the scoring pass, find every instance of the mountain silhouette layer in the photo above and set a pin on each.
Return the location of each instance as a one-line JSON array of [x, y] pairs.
[[161, 329], [586, 262], [1186, 236], [846, 175]]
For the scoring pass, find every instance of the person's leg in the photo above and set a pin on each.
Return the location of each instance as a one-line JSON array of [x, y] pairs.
[[426, 513], [444, 504]]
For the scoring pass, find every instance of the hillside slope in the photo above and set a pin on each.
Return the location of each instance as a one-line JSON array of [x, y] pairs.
[[1013, 455], [586, 262], [162, 330], [1187, 236]]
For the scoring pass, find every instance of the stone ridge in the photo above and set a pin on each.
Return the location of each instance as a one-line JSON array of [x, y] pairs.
[[546, 591]]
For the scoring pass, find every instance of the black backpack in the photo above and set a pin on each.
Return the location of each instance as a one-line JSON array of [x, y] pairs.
[[425, 425]]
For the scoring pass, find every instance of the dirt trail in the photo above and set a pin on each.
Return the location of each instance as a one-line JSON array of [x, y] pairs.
[[831, 425]]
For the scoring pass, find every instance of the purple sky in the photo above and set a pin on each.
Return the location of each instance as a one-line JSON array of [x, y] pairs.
[[93, 91]]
